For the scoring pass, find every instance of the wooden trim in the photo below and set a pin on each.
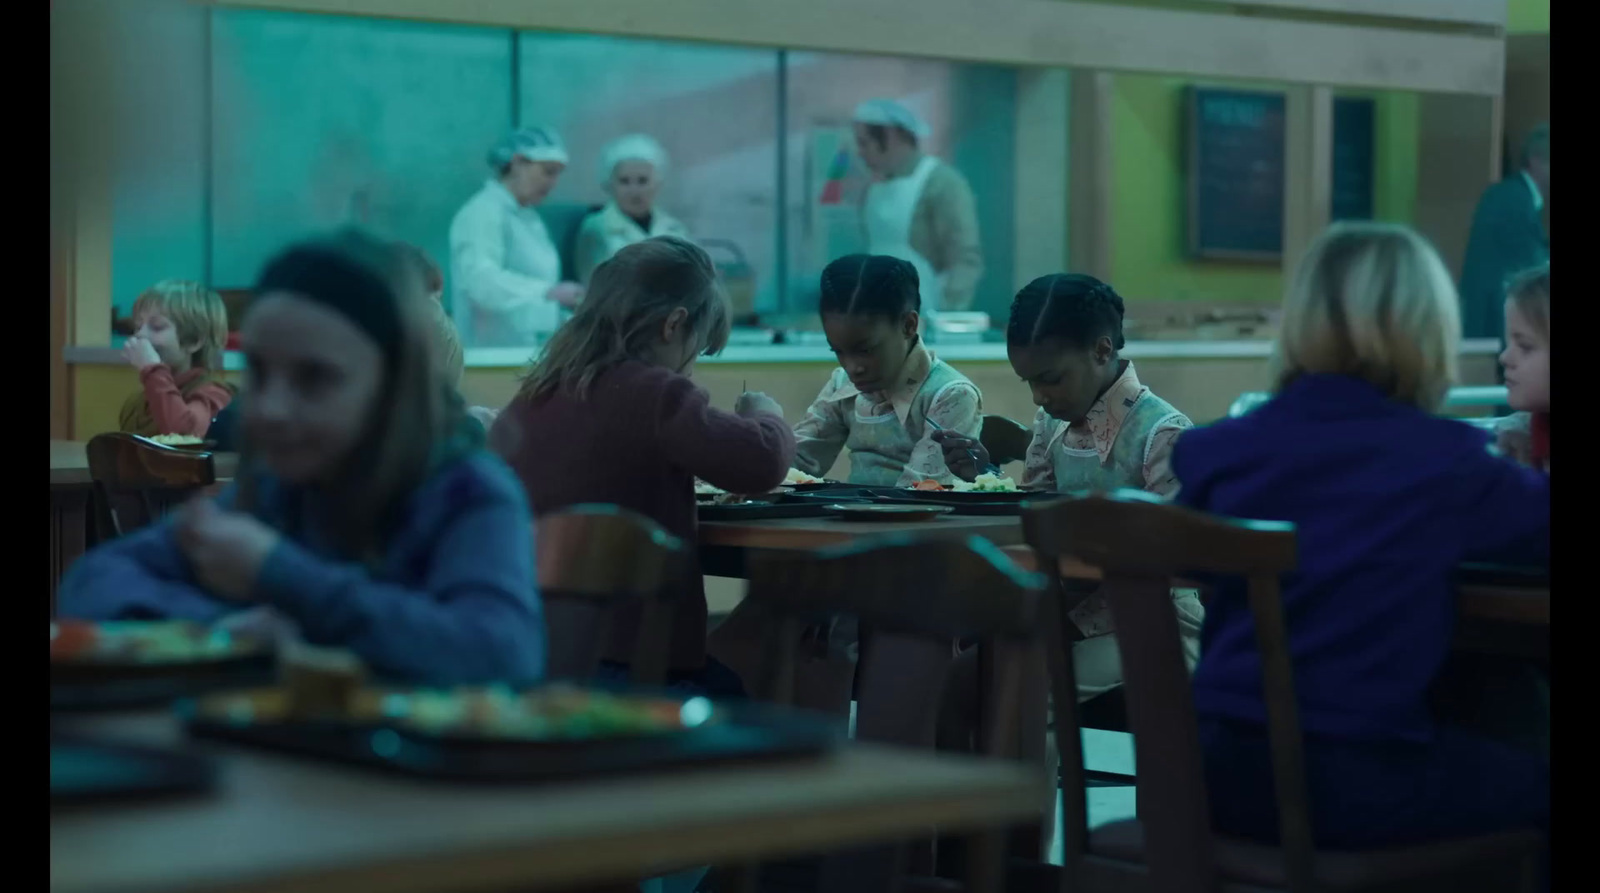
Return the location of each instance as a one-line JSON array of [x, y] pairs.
[[1489, 13], [1090, 177], [1006, 32], [84, 35], [1040, 205], [1307, 170], [1459, 144]]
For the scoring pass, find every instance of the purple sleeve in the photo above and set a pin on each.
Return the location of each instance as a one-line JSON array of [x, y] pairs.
[[1504, 509], [143, 575], [474, 618], [737, 454]]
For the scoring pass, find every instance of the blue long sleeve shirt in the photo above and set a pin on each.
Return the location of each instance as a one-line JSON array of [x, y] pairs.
[[453, 600], [1387, 501]]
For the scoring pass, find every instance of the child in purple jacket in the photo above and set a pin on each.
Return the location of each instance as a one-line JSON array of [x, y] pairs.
[[1388, 499], [365, 512]]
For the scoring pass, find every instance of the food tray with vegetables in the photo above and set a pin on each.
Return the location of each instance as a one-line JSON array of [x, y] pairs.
[[986, 489], [963, 502], [136, 663], [496, 734]]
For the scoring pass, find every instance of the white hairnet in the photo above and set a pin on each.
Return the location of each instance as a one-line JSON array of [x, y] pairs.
[[633, 147], [532, 143], [888, 113]]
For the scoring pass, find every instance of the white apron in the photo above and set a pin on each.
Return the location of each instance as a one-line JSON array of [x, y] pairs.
[[887, 213]]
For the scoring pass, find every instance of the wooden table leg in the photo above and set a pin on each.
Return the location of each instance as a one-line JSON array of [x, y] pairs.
[[69, 532]]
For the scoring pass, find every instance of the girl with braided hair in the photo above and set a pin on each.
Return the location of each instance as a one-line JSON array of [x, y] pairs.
[[890, 394]]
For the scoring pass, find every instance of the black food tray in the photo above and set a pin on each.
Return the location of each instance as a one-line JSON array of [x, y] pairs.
[[91, 685], [85, 771], [902, 496], [746, 736], [968, 497], [762, 511]]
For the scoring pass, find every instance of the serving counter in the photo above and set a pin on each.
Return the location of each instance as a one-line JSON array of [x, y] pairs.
[[1200, 377]]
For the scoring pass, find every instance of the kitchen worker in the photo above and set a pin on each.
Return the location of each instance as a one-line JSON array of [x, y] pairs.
[[631, 170], [505, 272], [918, 208]]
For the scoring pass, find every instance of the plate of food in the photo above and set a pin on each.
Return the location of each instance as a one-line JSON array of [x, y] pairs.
[[890, 512], [985, 488], [498, 734], [723, 497], [124, 662]]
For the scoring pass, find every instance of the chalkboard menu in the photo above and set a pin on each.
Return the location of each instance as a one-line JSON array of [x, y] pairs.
[[1236, 170], [1236, 149], [1353, 139]]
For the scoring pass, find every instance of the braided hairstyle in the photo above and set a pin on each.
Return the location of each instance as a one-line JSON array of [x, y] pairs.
[[1072, 308], [870, 285]]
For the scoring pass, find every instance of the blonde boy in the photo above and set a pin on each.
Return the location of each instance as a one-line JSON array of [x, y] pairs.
[[177, 348]]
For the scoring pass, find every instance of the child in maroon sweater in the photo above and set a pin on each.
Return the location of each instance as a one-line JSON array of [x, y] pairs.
[[182, 327], [609, 415]]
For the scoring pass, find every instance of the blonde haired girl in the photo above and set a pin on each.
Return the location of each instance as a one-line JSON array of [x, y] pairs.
[[1375, 302], [1525, 436], [1388, 500]]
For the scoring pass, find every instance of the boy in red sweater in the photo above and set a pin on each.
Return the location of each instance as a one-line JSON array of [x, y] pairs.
[[177, 349]]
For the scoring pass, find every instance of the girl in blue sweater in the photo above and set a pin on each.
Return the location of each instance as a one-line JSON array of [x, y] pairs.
[[365, 512]]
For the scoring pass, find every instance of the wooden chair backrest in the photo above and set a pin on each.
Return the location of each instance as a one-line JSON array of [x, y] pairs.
[[916, 596], [592, 560], [1141, 545], [1006, 440], [136, 480]]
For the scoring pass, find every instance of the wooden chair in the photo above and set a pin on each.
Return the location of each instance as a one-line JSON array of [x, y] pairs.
[[595, 560], [1141, 545], [1006, 441], [137, 480], [916, 597]]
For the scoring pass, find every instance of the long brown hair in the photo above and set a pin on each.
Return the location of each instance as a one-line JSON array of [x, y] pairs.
[[630, 296], [413, 423]]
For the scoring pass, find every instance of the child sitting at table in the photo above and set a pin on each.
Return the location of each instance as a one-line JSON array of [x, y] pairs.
[[1097, 428], [890, 394], [1388, 499], [362, 512], [609, 415], [177, 349], [1525, 436]]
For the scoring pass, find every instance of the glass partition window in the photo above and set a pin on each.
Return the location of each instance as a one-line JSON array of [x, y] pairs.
[[258, 127], [970, 113], [320, 121], [714, 112]]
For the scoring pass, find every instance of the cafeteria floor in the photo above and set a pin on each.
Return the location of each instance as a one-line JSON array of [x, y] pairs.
[[1103, 751]]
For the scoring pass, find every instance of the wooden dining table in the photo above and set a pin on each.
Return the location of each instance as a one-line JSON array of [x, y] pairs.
[[279, 823], [725, 546], [1500, 597]]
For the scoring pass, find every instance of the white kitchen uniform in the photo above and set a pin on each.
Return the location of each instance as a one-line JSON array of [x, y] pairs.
[[887, 213], [502, 265]]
